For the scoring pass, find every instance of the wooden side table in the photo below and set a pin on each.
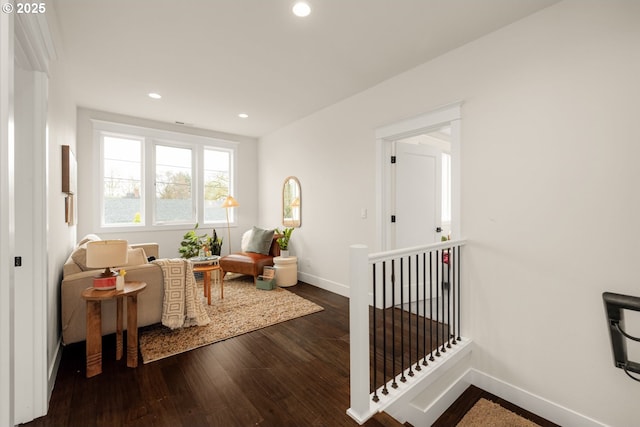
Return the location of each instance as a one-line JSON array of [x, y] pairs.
[[94, 298], [206, 270]]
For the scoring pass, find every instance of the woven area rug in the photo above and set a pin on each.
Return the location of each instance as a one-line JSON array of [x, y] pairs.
[[486, 413], [243, 309]]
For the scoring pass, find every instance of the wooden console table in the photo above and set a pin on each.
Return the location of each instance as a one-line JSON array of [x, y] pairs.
[[94, 298]]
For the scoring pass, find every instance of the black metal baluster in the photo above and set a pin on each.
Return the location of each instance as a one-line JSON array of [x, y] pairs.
[[454, 260], [438, 303], [459, 281], [442, 305], [410, 373], [385, 391], [394, 384], [449, 298], [402, 377], [375, 347], [424, 307], [418, 368], [431, 306]]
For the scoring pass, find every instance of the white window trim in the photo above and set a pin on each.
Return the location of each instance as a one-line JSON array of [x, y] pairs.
[[150, 137]]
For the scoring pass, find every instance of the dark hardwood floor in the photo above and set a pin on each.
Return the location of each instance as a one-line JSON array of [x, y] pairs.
[[294, 373]]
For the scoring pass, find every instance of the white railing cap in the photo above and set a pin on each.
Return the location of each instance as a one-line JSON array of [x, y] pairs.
[[397, 253]]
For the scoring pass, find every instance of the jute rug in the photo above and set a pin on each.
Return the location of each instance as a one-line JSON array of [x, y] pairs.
[[486, 413], [243, 309]]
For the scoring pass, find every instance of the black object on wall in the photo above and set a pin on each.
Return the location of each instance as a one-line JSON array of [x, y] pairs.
[[614, 305]]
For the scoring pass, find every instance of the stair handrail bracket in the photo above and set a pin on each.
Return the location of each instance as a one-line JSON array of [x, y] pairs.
[[404, 322]]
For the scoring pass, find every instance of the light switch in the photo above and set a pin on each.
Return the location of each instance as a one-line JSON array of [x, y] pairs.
[[363, 213]]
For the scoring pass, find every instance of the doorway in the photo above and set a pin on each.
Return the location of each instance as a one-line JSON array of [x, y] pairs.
[[415, 190], [421, 191]]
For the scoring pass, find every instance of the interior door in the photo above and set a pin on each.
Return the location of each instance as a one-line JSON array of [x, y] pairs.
[[418, 194]]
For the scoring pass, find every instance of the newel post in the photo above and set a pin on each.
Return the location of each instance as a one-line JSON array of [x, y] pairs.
[[359, 332]]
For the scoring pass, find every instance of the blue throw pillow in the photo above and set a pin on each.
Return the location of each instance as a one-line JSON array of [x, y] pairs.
[[260, 241]]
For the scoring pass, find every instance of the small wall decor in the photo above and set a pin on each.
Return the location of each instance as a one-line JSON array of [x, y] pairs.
[[69, 171], [69, 183], [69, 210]]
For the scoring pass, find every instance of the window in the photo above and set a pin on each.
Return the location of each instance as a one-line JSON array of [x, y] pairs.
[[174, 201], [122, 181], [151, 178], [217, 175]]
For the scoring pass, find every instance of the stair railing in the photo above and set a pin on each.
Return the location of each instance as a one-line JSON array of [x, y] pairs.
[[404, 314]]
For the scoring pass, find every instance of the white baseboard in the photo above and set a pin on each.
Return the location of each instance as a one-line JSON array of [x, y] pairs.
[[53, 370], [328, 285]]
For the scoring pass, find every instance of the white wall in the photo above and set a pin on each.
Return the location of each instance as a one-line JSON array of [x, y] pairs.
[[549, 192], [169, 240], [61, 238]]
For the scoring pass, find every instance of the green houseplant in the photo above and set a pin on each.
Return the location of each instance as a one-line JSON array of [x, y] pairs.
[[192, 243], [215, 243], [283, 241]]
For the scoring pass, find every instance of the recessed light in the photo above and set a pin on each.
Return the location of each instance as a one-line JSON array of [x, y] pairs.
[[243, 115], [301, 9], [155, 95]]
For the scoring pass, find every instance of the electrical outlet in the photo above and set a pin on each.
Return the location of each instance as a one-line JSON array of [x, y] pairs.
[[18, 261]]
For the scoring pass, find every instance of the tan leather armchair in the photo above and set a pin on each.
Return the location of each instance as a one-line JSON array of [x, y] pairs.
[[250, 263]]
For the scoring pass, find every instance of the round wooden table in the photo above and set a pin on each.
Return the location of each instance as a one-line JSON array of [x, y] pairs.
[[94, 298]]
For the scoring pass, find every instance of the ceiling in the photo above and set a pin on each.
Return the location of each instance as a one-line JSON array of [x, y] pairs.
[[213, 59]]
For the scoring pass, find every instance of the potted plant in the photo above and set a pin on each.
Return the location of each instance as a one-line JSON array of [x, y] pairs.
[[215, 243], [192, 244], [283, 241]]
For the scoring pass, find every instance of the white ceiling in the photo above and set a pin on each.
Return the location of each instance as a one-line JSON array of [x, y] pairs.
[[213, 59]]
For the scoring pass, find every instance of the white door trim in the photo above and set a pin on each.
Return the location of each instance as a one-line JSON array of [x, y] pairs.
[[6, 220], [385, 135], [33, 50]]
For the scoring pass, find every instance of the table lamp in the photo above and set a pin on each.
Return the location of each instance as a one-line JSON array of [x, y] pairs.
[[106, 254]]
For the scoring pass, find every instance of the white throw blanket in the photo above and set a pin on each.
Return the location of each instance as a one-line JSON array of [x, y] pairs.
[[181, 305]]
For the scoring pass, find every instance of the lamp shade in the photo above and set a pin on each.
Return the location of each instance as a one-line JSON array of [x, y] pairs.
[[107, 253], [230, 202]]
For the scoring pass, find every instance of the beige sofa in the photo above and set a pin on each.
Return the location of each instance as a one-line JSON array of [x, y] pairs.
[[77, 277]]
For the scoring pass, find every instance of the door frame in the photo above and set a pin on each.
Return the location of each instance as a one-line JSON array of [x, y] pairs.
[[449, 114], [6, 220], [33, 49]]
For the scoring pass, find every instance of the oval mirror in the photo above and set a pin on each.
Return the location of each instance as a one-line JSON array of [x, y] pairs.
[[291, 202]]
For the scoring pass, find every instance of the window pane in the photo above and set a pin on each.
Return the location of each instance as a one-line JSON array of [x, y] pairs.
[[174, 201], [216, 185], [122, 184]]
